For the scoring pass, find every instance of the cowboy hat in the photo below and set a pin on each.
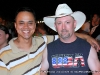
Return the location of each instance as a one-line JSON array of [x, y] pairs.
[[63, 10]]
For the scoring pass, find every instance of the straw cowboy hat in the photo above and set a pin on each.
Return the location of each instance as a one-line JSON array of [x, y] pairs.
[[63, 10]]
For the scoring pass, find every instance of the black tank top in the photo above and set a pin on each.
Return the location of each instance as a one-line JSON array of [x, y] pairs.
[[68, 58]]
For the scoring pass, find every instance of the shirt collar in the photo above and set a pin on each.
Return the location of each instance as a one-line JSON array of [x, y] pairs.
[[15, 48]]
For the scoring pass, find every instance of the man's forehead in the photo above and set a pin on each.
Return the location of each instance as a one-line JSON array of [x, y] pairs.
[[24, 15], [26, 20]]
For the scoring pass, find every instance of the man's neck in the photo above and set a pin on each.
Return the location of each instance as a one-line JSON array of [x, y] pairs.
[[23, 44], [69, 40]]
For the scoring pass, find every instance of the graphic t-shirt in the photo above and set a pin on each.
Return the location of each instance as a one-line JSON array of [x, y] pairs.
[[68, 58]]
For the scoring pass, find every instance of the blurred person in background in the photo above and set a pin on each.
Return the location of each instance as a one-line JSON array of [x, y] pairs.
[[1, 20], [4, 37], [42, 30], [95, 26], [92, 27]]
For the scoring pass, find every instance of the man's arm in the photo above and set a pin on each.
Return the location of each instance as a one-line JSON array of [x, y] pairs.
[[90, 40], [44, 63], [93, 62]]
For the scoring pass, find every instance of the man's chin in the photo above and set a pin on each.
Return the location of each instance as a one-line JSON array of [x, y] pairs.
[[26, 38], [65, 36]]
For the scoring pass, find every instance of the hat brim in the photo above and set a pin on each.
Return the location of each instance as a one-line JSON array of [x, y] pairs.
[[78, 16]]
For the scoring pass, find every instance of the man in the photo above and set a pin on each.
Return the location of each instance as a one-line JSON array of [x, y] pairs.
[[68, 55], [4, 38], [24, 56], [25, 53]]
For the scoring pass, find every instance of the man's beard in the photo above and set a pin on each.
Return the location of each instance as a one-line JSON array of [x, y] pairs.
[[66, 35]]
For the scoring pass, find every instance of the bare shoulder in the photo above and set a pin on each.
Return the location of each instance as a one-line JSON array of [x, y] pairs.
[[93, 53], [93, 61]]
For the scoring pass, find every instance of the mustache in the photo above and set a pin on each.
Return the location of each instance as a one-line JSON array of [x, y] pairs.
[[64, 30]]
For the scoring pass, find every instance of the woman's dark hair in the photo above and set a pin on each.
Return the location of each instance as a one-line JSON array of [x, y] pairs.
[[6, 30], [28, 9]]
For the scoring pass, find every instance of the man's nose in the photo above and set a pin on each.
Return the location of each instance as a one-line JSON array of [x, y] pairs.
[[63, 26], [25, 25]]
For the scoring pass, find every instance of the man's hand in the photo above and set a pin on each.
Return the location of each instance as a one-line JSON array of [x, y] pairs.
[[93, 43]]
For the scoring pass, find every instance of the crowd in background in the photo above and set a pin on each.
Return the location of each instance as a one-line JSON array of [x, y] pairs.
[[90, 27]]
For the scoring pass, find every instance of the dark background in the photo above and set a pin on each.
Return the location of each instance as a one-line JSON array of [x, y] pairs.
[[47, 7]]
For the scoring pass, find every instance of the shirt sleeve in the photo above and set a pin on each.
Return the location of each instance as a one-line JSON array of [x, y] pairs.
[[3, 68], [50, 38]]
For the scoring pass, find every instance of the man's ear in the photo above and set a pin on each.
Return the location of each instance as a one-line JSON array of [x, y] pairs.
[[15, 25], [55, 26], [75, 23], [35, 25]]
